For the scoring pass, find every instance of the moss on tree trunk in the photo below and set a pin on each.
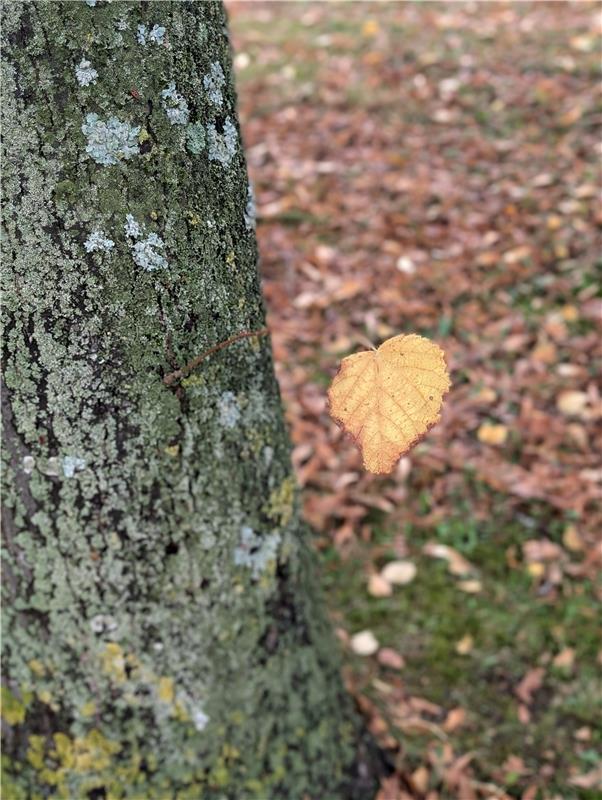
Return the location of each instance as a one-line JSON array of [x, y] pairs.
[[162, 637]]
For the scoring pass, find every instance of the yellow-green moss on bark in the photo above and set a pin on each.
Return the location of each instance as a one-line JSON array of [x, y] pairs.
[[162, 636]]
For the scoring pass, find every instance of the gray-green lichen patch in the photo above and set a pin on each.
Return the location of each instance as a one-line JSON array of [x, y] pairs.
[[147, 248], [147, 253], [222, 146], [229, 411], [73, 464], [85, 73], [110, 141], [156, 35], [256, 552], [195, 138], [250, 210], [175, 105], [98, 240], [213, 83]]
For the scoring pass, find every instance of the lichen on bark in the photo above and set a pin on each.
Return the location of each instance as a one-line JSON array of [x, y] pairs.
[[142, 657]]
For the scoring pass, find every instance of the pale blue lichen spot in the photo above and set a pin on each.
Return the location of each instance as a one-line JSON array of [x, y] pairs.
[[175, 105], [250, 210], [102, 623], [146, 253], [156, 34], [256, 552], [222, 146], [268, 455], [229, 412], [199, 719], [132, 228], [98, 240], [90, 3], [110, 141], [72, 464], [213, 83], [85, 73], [27, 464]]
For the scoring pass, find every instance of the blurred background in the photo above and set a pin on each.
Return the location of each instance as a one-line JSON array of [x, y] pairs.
[[434, 168]]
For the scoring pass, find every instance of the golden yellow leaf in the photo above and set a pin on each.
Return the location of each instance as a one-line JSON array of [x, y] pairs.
[[388, 399]]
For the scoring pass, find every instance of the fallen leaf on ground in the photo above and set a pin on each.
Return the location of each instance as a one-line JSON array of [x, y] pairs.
[[531, 682], [388, 399], [420, 779], [571, 403], [492, 434], [364, 643], [565, 659], [379, 587], [390, 658], [536, 569], [464, 645], [541, 550], [399, 572], [589, 780], [471, 587], [457, 564], [571, 538], [454, 720]]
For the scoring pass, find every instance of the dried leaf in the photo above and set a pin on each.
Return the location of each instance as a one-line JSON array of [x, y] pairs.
[[492, 434], [571, 538], [565, 659], [571, 403], [389, 398], [530, 683], [364, 643], [390, 658], [454, 720], [399, 572], [589, 780], [457, 564], [420, 779], [464, 645], [470, 587], [379, 587]]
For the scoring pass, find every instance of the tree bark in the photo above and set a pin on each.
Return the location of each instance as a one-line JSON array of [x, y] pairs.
[[163, 634]]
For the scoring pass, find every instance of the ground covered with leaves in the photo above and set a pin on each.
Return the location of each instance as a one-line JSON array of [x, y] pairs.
[[434, 168]]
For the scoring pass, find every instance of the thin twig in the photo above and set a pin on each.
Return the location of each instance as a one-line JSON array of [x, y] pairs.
[[168, 380]]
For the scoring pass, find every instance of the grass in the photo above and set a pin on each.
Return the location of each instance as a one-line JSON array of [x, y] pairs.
[[513, 629]]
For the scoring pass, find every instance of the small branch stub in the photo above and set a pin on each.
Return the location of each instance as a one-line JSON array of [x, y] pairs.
[[178, 374]]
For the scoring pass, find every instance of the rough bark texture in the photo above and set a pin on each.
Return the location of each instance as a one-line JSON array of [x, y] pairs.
[[161, 635]]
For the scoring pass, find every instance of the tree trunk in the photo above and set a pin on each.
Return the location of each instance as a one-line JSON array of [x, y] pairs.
[[163, 636]]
